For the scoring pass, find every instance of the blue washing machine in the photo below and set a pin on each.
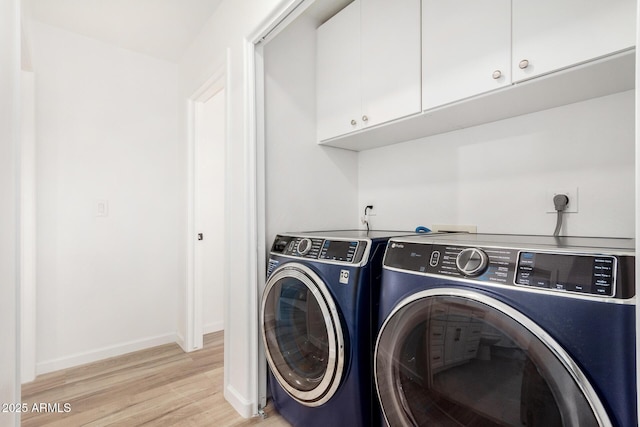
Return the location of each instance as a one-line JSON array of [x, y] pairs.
[[483, 330], [318, 318]]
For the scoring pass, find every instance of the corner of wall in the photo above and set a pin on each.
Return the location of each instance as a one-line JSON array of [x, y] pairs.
[[239, 403]]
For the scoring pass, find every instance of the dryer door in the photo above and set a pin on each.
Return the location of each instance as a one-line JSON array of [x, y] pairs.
[[303, 338], [452, 357]]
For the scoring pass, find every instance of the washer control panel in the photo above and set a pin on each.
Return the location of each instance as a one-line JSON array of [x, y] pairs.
[[557, 271], [330, 250]]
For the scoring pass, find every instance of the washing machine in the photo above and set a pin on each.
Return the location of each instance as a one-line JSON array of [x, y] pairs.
[[319, 315], [484, 330]]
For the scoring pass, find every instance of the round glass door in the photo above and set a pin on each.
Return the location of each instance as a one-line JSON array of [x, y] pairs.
[[302, 335], [448, 357]]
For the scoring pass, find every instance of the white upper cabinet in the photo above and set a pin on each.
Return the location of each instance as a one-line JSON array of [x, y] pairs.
[[338, 74], [368, 66], [423, 67], [549, 35], [466, 49], [390, 46]]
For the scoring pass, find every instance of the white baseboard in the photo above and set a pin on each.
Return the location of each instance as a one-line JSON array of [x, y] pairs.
[[103, 353], [239, 403], [213, 327], [181, 342]]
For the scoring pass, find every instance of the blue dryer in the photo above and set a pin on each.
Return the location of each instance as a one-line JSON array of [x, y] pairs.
[[484, 330], [318, 318]]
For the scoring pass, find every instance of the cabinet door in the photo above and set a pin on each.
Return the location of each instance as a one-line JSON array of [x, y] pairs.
[[552, 35], [466, 48], [390, 45], [338, 74], [455, 343]]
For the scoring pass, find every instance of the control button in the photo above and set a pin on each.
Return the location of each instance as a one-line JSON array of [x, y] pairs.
[[280, 245], [471, 262], [304, 246], [435, 257], [541, 283]]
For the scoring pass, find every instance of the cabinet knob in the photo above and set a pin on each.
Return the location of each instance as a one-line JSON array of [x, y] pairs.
[[523, 64], [353, 122], [496, 74], [365, 118]]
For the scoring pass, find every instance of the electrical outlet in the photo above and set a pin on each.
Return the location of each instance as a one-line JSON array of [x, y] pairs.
[[571, 193], [374, 210]]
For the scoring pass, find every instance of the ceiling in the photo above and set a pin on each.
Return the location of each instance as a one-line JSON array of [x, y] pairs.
[[159, 28]]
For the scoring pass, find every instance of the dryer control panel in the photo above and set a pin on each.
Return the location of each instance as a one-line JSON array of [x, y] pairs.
[[577, 273], [586, 274], [329, 250]]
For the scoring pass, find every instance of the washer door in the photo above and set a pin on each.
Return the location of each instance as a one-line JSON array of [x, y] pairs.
[[451, 357], [302, 335]]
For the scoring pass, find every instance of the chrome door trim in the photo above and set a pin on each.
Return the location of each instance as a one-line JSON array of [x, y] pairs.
[[578, 376], [335, 365]]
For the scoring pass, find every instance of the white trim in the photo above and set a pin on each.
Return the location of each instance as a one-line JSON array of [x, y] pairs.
[[261, 209], [194, 288], [284, 16], [228, 238], [253, 228], [103, 353], [239, 403], [180, 340], [28, 265], [189, 341]]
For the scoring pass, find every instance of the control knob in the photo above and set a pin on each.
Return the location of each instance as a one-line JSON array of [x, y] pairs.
[[472, 262], [304, 246]]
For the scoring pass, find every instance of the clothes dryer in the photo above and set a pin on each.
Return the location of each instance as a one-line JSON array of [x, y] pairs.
[[507, 330], [319, 315]]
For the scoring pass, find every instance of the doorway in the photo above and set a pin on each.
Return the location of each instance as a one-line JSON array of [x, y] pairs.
[[207, 160], [209, 213]]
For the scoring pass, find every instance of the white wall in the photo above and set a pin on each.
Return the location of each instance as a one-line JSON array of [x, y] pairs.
[[496, 175], [107, 129], [9, 134], [308, 186], [228, 29]]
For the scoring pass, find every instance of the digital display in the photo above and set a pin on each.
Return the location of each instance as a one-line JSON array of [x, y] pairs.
[[338, 250], [575, 273]]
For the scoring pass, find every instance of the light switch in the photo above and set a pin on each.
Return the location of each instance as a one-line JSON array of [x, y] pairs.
[[102, 208]]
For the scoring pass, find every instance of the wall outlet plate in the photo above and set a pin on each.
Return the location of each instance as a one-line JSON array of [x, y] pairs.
[[102, 208], [454, 228], [571, 193], [373, 211]]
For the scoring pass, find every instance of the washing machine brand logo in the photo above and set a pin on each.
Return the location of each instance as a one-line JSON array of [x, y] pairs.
[[397, 245], [344, 277]]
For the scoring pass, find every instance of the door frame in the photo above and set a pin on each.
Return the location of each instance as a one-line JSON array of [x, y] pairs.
[[218, 81]]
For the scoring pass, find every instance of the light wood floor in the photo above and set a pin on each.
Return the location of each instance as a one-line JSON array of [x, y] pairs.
[[161, 386]]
